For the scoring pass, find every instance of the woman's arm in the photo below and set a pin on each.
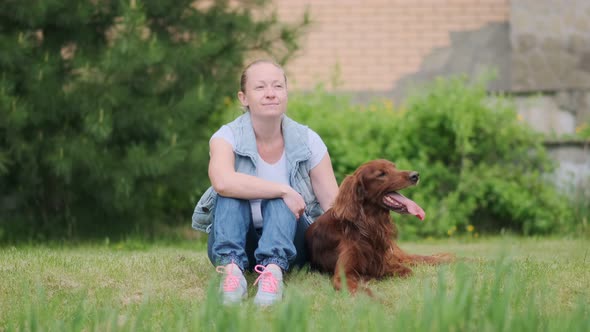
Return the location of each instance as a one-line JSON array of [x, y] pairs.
[[227, 182], [324, 182]]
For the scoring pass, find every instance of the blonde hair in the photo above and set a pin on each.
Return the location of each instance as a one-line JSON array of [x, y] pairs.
[[244, 77]]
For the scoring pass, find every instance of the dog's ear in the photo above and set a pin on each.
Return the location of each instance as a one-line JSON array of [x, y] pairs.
[[348, 203]]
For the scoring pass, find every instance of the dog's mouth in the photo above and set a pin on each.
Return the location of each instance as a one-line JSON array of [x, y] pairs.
[[399, 203]]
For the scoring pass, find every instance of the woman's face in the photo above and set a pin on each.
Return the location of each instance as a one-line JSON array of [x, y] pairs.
[[266, 90]]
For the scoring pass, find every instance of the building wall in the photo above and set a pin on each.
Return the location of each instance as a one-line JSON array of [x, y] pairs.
[[540, 50], [551, 45], [369, 45], [550, 56]]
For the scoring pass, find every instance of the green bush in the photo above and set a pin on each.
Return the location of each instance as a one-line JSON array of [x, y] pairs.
[[482, 170], [583, 131], [105, 109]]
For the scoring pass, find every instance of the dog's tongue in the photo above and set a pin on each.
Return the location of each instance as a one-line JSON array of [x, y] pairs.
[[411, 206]]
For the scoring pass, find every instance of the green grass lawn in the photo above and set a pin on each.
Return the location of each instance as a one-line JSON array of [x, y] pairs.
[[503, 284]]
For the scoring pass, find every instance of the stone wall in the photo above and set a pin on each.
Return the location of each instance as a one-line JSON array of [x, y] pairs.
[[539, 49], [472, 53], [555, 113], [550, 74], [550, 45], [573, 173], [550, 62], [541, 55]]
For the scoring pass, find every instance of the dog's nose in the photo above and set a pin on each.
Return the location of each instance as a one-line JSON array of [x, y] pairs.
[[414, 177]]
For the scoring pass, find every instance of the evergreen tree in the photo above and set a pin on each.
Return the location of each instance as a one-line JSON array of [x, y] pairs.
[[105, 108]]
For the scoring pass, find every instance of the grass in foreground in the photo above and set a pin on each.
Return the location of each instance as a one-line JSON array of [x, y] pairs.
[[506, 284]]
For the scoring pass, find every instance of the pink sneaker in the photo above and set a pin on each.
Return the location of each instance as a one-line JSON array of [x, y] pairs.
[[233, 285], [270, 285]]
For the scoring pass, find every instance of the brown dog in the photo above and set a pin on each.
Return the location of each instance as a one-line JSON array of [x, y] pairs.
[[356, 238]]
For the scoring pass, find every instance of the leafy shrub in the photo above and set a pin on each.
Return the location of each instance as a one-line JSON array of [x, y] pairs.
[[104, 107], [583, 131], [481, 168]]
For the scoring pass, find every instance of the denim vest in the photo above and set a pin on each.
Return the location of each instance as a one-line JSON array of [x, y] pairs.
[[297, 153]]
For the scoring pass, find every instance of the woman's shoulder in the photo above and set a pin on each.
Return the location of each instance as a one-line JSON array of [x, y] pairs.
[[225, 133], [239, 121], [294, 125]]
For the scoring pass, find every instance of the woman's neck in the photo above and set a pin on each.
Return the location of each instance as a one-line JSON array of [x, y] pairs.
[[267, 131]]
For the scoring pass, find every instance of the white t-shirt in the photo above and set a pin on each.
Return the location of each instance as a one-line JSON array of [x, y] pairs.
[[277, 172]]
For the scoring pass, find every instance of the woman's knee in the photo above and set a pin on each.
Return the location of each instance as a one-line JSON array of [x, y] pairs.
[[224, 202], [276, 212], [231, 215], [276, 204], [232, 208]]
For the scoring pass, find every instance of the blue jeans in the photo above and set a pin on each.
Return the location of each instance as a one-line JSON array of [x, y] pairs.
[[233, 237]]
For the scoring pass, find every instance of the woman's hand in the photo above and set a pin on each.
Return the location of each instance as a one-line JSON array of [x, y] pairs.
[[294, 201]]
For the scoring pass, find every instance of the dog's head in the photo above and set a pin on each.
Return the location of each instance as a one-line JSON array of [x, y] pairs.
[[375, 185]]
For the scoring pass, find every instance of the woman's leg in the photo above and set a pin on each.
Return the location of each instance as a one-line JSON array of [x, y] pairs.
[[276, 242], [300, 245], [227, 239]]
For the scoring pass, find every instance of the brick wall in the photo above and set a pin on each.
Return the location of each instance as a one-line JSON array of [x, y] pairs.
[[368, 45]]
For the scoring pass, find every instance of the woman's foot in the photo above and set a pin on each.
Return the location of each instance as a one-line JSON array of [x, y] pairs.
[[270, 285], [233, 284]]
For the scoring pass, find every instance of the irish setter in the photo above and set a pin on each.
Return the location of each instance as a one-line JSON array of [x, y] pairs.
[[356, 238]]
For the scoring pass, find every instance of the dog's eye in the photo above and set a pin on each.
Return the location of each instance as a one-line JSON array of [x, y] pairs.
[[381, 174]]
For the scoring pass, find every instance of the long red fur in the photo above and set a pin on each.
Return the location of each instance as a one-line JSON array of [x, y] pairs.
[[356, 238]]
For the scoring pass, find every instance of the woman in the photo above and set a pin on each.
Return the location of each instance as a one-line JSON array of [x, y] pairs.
[[271, 177]]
